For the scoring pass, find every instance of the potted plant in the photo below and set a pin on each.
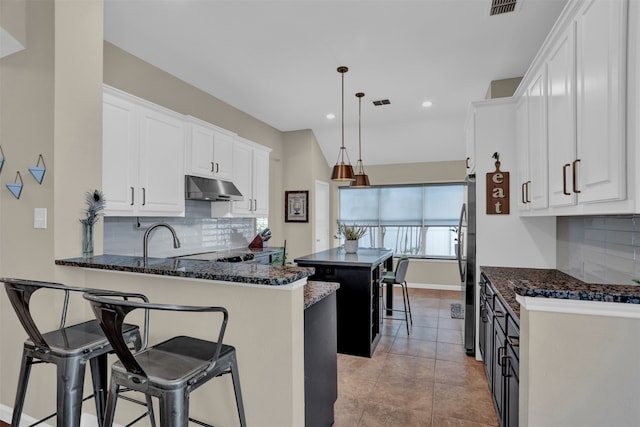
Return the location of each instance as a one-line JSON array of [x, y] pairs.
[[351, 234]]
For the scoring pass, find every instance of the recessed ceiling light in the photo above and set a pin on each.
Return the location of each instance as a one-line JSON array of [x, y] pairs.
[[427, 104], [331, 116]]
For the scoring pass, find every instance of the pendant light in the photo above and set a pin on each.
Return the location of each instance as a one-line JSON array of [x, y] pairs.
[[342, 171], [361, 178]]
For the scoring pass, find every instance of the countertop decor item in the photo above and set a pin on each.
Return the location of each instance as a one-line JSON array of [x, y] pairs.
[[342, 171], [95, 203], [296, 206], [38, 171], [361, 178], [351, 234]]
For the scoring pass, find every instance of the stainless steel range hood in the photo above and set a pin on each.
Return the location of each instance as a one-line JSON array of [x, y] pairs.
[[213, 190]]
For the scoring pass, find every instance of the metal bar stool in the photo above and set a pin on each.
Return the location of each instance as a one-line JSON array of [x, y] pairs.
[[398, 278], [170, 370], [69, 348]]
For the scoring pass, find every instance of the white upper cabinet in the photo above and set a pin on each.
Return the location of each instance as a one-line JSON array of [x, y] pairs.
[[251, 176], [561, 124], [580, 113], [209, 150], [143, 163], [522, 148], [601, 70]]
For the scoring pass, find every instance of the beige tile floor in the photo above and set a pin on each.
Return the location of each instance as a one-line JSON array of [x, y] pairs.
[[424, 379]]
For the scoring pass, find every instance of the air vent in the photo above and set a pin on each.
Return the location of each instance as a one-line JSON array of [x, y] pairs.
[[502, 6], [380, 102]]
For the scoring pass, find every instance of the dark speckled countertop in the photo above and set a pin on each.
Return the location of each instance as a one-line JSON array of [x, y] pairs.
[[548, 283], [316, 291], [195, 269]]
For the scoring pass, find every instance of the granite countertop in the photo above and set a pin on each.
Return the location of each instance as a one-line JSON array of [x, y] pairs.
[[366, 257], [549, 283], [195, 269], [316, 291]]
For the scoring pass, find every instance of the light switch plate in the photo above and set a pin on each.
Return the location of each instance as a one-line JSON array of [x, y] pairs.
[[40, 218]]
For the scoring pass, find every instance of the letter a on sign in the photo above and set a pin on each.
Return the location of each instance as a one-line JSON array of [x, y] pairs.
[[498, 192]]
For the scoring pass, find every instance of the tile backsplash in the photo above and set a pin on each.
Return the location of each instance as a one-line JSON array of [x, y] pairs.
[[599, 249], [197, 231]]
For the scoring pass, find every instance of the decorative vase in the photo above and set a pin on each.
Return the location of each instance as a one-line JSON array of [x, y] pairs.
[[351, 246], [87, 240]]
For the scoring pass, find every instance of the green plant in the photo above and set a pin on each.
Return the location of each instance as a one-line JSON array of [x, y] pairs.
[[351, 232]]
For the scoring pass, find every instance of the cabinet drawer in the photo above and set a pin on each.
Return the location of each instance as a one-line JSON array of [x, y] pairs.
[[513, 336], [500, 314]]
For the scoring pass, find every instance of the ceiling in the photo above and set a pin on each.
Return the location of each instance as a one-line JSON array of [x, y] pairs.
[[277, 61]]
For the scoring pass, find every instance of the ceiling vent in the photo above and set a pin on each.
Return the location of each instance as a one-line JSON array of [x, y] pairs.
[[380, 102], [502, 6]]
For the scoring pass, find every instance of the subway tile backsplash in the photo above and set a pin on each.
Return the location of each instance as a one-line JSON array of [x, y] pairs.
[[197, 231], [601, 249]]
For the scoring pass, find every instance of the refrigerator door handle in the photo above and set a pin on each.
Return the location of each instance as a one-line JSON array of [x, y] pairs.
[[460, 242]]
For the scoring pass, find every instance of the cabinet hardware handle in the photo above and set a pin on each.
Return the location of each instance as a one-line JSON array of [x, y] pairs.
[[217, 167], [513, 341], [522, 195], [575, 174], [528, 200], [499, 313], [132, 196], [144, 196], [564, 180], [213, 167], [467, 162], [500, 355], [505, 365]]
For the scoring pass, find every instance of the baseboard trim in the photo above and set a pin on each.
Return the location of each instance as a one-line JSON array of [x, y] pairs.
[[441, 287]]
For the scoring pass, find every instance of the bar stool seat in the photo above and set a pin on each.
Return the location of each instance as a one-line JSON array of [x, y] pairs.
[[69, 348], [169, 370], [398, 278]]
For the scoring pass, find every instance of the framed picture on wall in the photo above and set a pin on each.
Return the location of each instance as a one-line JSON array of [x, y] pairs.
[[296, 206]]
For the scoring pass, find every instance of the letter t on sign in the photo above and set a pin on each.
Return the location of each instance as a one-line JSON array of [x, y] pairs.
[[498, 192]]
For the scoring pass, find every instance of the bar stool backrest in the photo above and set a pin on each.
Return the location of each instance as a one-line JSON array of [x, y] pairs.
[[401, 270], [20, 292], [111, 313]]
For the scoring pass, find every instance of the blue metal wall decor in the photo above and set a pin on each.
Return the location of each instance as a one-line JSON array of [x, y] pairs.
[[16, 186], [1, 158], [38, 171]]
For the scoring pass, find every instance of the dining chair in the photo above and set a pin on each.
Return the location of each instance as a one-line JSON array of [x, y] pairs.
[[69, 347], [397, 278], [169, 370]]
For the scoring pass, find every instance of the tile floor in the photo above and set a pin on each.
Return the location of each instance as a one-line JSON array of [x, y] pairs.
[[424, 379]]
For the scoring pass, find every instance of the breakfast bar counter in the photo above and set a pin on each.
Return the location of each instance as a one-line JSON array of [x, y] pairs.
[[276, 314]]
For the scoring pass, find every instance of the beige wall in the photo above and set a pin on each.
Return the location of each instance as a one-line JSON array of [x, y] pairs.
[[51, 105]]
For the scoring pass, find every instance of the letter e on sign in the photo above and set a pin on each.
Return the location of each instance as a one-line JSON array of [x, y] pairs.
[[498, 192]]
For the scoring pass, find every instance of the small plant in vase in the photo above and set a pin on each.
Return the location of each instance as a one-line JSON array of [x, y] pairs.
[[95, 203], [351, 234]]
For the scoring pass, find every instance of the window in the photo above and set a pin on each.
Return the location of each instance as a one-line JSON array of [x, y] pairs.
[[416, 220]]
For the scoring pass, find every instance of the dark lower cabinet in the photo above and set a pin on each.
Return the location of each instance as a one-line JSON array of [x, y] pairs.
[[499, 347], [320, 362]]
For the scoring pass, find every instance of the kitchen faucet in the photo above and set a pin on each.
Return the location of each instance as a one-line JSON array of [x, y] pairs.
[[145, 239]]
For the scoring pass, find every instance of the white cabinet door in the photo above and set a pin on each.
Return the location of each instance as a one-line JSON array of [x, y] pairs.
[[522, 147], [242, 178], [210, 151], [538, 187], [561, 119], [143, 160], [161, 163], [120, 132], [601, 53], [260, 182], [223, 156]]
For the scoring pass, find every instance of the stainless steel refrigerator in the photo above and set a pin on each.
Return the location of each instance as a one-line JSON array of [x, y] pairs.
[[466, 254]]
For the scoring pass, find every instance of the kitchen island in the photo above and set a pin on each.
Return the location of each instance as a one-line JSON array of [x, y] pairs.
[[267, 308], [358, 299], [576, 344]]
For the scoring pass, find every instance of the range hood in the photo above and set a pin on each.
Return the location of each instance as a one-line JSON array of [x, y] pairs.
[[212, 190]]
